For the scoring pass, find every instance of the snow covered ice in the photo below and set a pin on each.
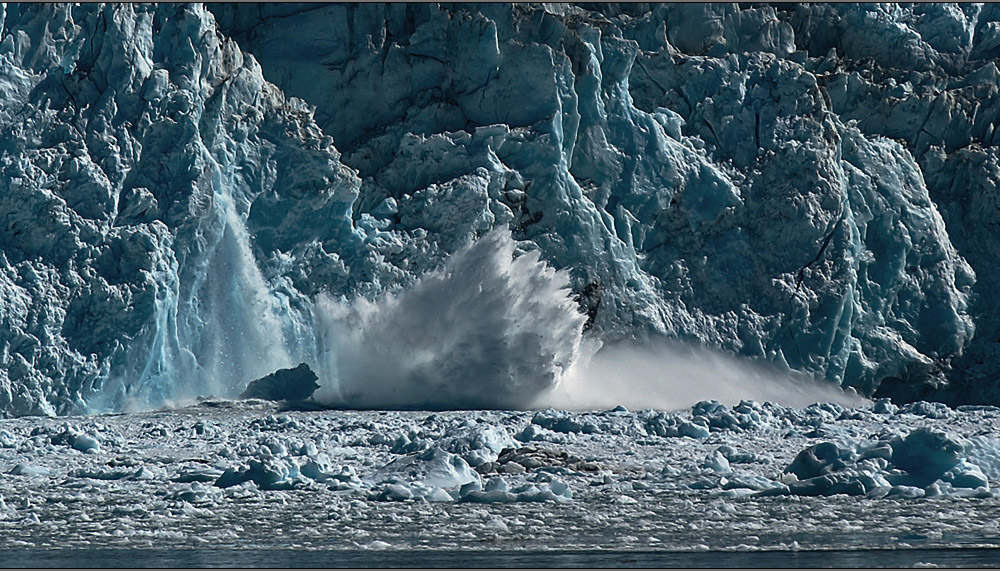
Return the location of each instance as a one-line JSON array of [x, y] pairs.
[[644, 277]]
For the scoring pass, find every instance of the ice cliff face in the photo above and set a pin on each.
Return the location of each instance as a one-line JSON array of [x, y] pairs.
[[774, 181], [810, 185], [141, 151]]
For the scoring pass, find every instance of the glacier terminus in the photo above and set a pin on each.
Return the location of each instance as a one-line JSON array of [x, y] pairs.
[[676, 278]]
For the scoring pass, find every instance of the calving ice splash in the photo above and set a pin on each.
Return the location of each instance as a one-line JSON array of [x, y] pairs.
[[495, 330], [488, 330]]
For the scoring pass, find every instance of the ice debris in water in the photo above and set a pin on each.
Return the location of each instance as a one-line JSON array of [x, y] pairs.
[[924, 462], [436, 475], [76, 439], [284, 384], [433, 467], [207, 462]]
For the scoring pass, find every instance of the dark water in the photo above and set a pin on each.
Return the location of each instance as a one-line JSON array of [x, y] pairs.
[[957, 557]]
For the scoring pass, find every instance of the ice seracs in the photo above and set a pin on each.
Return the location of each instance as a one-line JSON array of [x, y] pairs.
[[716, 174], [767, 181], [143, 148]]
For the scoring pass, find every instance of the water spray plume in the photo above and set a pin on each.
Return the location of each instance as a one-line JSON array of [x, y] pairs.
[[669, 375], [489, 330]]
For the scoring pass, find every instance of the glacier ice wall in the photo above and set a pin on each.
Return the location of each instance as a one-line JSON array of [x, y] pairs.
[[141, 151], [810, 185], [756, 179]]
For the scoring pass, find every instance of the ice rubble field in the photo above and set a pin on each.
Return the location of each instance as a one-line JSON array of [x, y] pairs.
[[252, 474]]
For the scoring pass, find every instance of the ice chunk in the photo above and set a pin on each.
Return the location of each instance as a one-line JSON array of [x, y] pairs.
[[692, 430], [195, 493], [750, 481], [556, 491], [23, 469], [85, 443], [434, 467], [319, 468], [478, 444], [284, 384], [100, 474], [531, 458], [395, 493], [926, 453], [707, 408], [7, 440], [818, 460], [408, 443], [906, 492], [884, 406], [984, 451], [926, 459], [928, 409], [736, 456], [199, 473], [268, 473], [662, 424], [851, 483], [717, 463], [966, 475], [561, 422]]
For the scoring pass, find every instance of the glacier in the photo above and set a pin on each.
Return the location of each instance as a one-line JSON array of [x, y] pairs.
[[192, 197], [137, 144]]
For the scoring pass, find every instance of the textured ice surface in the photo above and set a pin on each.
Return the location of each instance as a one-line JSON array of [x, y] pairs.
[[711, 172], [752, 477], [138, 192], [811, 186]]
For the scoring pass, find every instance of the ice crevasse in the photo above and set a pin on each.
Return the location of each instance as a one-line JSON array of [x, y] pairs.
[[764, 180]]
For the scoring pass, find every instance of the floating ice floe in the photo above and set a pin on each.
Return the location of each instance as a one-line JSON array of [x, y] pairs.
[[923, 463]]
